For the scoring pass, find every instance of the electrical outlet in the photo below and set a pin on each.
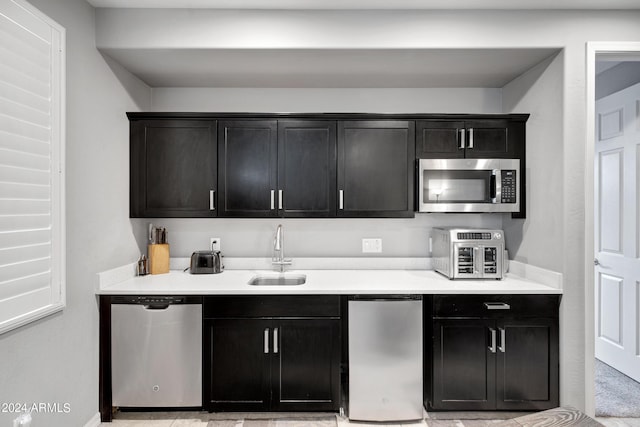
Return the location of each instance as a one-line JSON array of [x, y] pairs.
[[214, 244], [371, 245]]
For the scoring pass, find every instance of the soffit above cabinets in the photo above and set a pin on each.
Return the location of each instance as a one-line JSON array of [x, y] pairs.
[[318, 68], [371, 4]]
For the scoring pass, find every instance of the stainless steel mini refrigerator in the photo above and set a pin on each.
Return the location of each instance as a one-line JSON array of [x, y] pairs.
[[385, 358]]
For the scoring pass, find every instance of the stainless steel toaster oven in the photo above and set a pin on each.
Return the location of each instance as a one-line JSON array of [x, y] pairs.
[[461, 253]]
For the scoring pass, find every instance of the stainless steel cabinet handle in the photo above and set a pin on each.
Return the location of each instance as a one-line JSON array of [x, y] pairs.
[[212, 206], [462, 135], [341, 199], [470, 138], [266, 341], [497, 306], [273, 199], [492, 347], [503, 335], [279, 199], [275, 340]]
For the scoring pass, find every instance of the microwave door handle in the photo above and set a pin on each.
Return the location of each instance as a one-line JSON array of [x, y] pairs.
[[493, 186]]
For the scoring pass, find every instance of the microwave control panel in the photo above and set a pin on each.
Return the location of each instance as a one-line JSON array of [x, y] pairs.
[[508, 186]]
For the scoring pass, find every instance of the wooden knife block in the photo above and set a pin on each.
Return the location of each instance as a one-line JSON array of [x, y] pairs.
[[158, 258]]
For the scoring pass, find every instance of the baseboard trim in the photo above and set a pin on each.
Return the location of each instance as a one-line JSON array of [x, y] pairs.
[[94, 421]]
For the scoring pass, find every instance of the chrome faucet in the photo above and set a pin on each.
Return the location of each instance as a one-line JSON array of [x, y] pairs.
[[278, 250]]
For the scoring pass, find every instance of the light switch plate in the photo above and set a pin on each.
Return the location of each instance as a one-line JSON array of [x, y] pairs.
[[214, 244], [371, 245]]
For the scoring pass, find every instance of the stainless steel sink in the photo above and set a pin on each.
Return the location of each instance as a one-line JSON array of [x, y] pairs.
[[278, 279]]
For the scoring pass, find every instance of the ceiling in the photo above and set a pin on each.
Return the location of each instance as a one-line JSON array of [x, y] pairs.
[[371, 4], [318, 68]]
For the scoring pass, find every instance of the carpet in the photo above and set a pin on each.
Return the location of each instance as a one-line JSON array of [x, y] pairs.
[[277, 422], [617, 395]]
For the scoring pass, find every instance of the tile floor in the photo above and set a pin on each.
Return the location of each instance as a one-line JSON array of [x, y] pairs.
[[201, 419]]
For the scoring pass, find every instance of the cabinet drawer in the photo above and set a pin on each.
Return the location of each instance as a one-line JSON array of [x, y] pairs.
[[496, 305], [272, 306]]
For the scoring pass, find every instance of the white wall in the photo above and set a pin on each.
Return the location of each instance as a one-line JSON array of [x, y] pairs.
[[540, 92], [327, 100], [55, 360]]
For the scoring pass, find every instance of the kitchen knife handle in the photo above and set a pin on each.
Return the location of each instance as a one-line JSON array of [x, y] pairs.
[[275, 340], [273, 197], [461, 139], [341, 197], [212, 206], [280, 199], [492, 347], [503, 336], [470, 138], [266, 340]]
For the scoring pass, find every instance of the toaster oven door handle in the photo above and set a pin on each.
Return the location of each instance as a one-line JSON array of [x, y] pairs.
[[477, 262]]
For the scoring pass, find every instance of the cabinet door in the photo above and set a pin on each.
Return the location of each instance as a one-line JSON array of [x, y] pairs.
[[173, 168], [463, 364], [306, 365], [488, 139], [439, 139], [527, 364], [237, 369], [307, 168], [248, 168], [375, 168]]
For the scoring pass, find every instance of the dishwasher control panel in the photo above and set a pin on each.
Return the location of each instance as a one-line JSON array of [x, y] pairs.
[[155, 299]]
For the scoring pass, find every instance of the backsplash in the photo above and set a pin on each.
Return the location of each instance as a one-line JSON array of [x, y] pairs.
[[336, 237]]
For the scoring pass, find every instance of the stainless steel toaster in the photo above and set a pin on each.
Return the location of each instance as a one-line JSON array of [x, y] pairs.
[[206, 262]]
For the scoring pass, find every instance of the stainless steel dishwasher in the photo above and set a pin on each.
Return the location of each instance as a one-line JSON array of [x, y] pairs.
[[156, 351], [385, 358]]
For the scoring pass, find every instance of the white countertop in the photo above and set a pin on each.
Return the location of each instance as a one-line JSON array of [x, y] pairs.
[[235, 282]]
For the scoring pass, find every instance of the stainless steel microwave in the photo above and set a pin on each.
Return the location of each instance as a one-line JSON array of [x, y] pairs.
[[468, 185]]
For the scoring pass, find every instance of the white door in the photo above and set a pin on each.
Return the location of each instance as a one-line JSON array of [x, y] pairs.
[[617, 231]]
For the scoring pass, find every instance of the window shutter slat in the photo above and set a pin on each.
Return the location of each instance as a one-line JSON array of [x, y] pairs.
[[24, 223], [25, 253]]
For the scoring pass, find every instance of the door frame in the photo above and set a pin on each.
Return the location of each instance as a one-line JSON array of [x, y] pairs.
[[623, 50]]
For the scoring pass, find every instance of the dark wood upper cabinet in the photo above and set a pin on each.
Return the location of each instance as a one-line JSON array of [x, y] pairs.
[[484, 138], [302, 165], [375, 168], [306, 168], [173, 170], [248, 152], [439, 139]]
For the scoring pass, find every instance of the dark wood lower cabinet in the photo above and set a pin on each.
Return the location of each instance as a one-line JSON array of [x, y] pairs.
[[271, 363], [464, 370], [527, 364], [497, 360], [236, 370], [306, 368]]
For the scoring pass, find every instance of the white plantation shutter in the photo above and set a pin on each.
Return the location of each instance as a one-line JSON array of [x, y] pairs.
[[32, 270]]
